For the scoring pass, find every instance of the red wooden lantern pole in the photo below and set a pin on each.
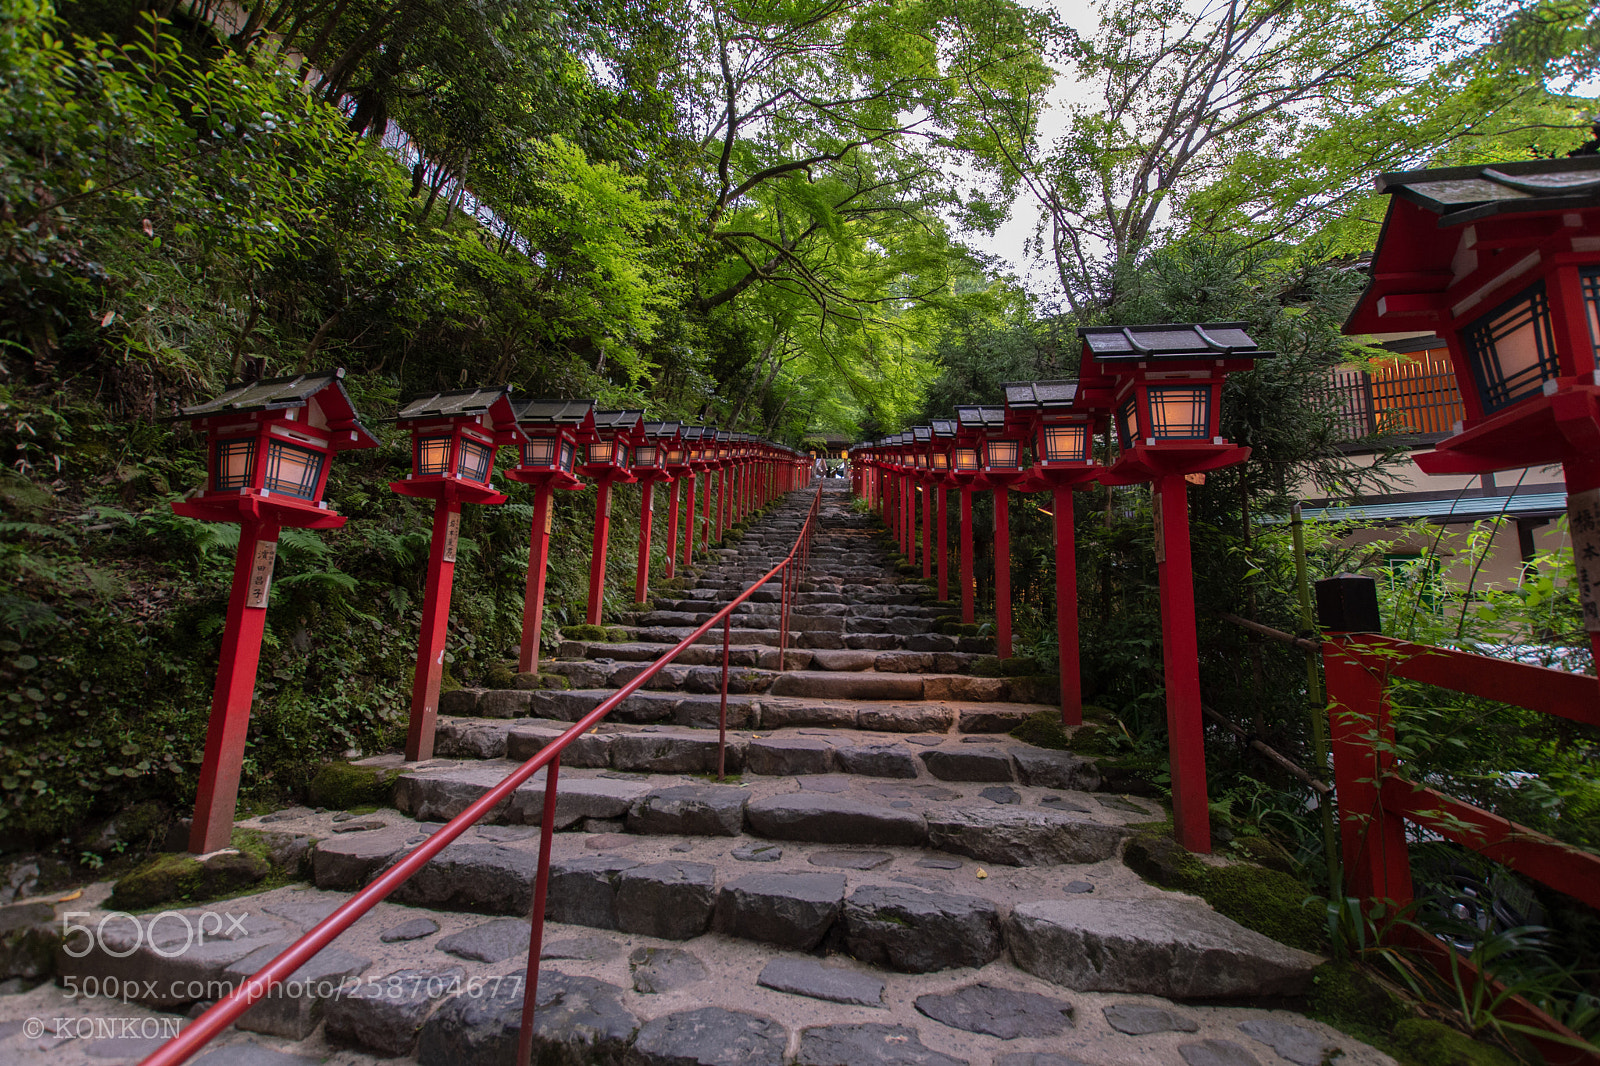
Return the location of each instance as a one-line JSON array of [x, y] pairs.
[[1164, 384], [227, 732], [641, 581], [1061, 428], [944, 542], [1180, 656], [652, 461], [270, 446], [554, 429], [969, 610], [1002, 572], [435, 616], [927, 529], [608, 463], [672, 527], [453, 440]]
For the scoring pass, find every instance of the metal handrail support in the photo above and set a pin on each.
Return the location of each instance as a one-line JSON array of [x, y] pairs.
[[254, 988]]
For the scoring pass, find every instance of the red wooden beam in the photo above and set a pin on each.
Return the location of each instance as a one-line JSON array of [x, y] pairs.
[[1537, 688], [1561, 866]]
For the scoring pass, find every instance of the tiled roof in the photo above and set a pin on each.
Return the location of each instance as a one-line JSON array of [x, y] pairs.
[[1217, 340], [1462, 194]]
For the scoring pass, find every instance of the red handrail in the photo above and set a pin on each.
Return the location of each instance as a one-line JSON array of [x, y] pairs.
[[226, 1010]]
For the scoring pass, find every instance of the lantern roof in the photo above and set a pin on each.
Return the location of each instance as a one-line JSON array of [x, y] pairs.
[[490, 406], [1040, 395], [1453, 235], [663, 431], [1462, 194], [943, 427], [629, 424], [325, 389], [1210, 340], [981, 419], [577, 414], [922, 434]]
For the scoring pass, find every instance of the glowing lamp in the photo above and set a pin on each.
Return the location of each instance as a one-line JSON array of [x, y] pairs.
[[454, 436], [553, 429], [1002, 455], [1163, 385], [609, 454], [967, 460]]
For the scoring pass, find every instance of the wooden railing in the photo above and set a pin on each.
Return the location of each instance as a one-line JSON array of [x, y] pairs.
[[1376, 799]]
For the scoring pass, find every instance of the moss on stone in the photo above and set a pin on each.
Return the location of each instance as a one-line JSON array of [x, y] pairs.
[[340, 786], [500, 675], [586, 632], [1044, 730], [985, 666], [1423, 1042], [170, 878], [1020, 666], [1270, 902], [960, 629]]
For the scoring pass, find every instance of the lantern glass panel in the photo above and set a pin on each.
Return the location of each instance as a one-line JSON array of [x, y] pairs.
[[645, 455], [292, 470], [1066, 444], [922, 461], [941, 461], [966, 459], [1591, 307], [601, 453], [541, 451], [1128, 422], [621, 456], [675, 456], [1511, 349], [1003, 454], [566, 455], [475, 461], [1180, 412], [235, 467], [433, 456]]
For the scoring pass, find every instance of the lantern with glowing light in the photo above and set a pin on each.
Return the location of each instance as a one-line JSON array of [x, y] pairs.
[[1063, 437], [1503, 263], [269, 446], [1163, 385], [454, 436], [657, 439], [555, 430], [607, 461]]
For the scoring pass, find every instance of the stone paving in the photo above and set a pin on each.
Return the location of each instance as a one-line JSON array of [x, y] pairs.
[[885, 877]]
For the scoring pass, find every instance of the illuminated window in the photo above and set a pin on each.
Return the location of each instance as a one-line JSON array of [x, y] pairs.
[[645, 455], [675, 456], [1511, 349], [1180, 412], [236, 464], [941, 461], [966, 459], [622, 455], [292, 470], [541, 451], [475, 460], [433, 456], [1066, 444], [600, 453], [1003, 454], [566, 455]]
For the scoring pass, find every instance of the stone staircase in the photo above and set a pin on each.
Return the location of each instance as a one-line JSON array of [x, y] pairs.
[[885, 876]]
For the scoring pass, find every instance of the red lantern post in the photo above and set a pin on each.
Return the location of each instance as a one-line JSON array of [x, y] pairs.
[[967, 468], [1164, 385], [1000, 452], [1063, 461], [941, 461], [453, 440], [268, 445], [555, 430], [650, 466], [1503, 263], [607, 462]]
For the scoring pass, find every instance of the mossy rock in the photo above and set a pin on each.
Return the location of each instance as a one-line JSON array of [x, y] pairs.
[[907, 570], [1424, 1042], [587, 632], [169, 878], [1133, 775], [500, 675], [1268, 901], [669, 584], [985, 665], [961, 629], [29, 934], [616, 635], [339, 786], [1044, 730], [1021, 666], [1345, 997]]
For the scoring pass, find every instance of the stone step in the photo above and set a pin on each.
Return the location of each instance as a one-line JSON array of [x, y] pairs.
[[665, 970], [747, 655], [815, 639], [761, 711]]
